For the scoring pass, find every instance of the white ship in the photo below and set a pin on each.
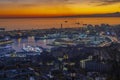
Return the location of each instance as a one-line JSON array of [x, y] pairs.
[[32, 49]]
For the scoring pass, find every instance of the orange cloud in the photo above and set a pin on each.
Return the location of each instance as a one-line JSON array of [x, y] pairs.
[[46, 8]]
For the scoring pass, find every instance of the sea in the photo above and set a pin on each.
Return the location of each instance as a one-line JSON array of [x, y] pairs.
[[45, 23]]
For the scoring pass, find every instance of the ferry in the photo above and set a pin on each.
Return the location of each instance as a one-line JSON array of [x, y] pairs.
[[62, 42], [4, 42]]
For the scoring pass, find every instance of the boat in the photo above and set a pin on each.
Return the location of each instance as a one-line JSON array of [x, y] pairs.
[[32, 49], [4, 42], [62, 42], [45, 37], [50, 36], [42, 38]]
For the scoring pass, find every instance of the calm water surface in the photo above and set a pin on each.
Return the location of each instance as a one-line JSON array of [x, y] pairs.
[[18, 43], [40, 23]]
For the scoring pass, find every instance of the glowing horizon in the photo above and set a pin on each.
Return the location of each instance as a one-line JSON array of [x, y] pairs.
[[46, 8]]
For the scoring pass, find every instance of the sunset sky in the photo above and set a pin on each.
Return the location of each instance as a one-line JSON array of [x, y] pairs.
[[49, 8]]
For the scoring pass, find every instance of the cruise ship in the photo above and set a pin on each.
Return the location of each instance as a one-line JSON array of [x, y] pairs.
[[32, 49], [50, 36]]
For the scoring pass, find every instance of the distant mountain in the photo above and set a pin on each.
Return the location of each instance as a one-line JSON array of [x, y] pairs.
[[117, 14]]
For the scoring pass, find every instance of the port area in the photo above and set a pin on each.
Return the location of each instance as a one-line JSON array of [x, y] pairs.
[[75, 54]]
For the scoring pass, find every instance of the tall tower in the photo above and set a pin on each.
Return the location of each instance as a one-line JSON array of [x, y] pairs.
[[61, 26]]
